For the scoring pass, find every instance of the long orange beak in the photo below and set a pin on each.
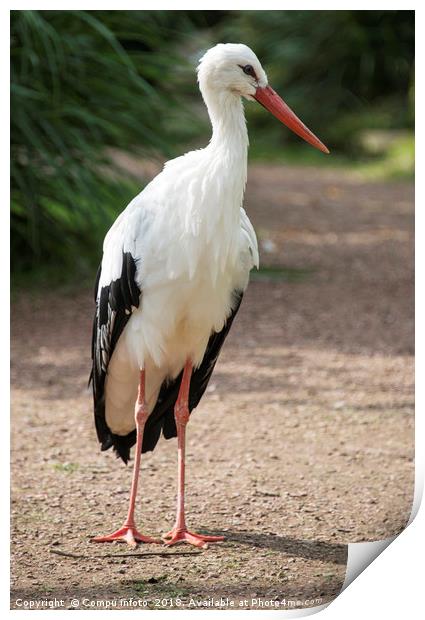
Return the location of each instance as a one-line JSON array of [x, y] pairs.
[[274, 104]]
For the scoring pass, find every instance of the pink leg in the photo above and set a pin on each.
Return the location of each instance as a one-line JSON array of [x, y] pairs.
[[180, 533], [128, 532]]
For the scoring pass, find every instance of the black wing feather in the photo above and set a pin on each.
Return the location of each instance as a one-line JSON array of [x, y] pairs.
[[113, 310]]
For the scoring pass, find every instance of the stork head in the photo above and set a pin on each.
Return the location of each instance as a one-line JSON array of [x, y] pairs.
[[231, 67], [235, 69]]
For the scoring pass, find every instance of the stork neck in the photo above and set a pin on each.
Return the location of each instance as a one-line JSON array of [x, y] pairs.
[[227, 116]]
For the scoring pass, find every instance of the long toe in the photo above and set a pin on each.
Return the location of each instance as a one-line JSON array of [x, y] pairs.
[[117, 535], [184, 536], [129, 535]]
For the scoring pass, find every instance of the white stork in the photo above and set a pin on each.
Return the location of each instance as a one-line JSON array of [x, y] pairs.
[[175, 266]]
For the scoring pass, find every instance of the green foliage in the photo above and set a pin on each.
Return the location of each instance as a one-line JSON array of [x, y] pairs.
[[394, 156], [76, 90], [339, 70]]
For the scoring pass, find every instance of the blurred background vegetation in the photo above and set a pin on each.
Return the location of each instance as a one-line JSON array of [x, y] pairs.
[[87, 85]]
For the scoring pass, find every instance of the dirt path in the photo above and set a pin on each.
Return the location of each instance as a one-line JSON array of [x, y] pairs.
[[303, 443]]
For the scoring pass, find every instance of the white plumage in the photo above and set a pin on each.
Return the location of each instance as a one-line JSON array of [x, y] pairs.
[[193, 245]]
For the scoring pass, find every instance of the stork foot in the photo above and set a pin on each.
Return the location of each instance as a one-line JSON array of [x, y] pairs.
[[127, 534], [176, 536]]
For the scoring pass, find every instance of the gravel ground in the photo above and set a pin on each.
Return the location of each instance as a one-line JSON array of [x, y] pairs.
[[303, 443]]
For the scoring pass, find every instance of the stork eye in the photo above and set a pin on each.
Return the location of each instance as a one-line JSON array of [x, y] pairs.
[[249, 70]]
